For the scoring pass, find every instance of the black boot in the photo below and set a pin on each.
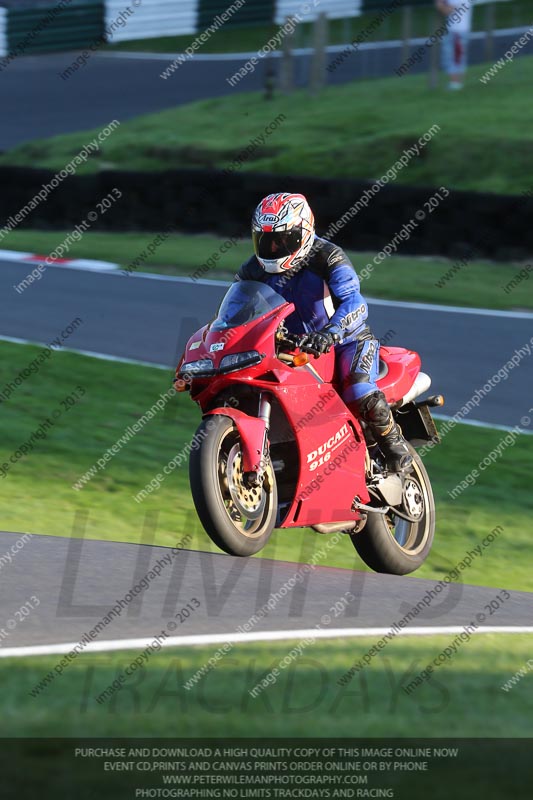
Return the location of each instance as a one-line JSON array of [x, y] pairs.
[[375, 412]]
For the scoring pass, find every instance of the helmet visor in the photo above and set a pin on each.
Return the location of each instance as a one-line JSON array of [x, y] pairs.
[[278, 244]]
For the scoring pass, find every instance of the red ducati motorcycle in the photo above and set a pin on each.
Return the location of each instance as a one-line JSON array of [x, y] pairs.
[[278, 448]]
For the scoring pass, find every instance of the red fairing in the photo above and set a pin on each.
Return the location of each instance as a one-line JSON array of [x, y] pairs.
[[252, 433], [403, 367], [325, 441], [331, 452]]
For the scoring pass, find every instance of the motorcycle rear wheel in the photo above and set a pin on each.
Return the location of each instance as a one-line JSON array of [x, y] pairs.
[[396, 546], [239, 519]]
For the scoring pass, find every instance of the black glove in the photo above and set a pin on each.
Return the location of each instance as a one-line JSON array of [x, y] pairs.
[[319, 342]]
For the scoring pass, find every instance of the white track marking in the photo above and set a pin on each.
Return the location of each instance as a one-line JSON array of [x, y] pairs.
[[155, 276], [90, 353], [86, 263], [114, 270], [476, 423], [14, 255], [486, 312], [243, 638], [71, 263], [299, 51]]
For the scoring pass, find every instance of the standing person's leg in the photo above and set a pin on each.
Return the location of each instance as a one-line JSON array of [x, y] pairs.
[[357, 368], [454, 54]]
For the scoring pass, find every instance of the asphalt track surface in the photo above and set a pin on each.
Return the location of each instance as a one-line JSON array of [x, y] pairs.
[[148, 319], [37, 103], [77, 582]]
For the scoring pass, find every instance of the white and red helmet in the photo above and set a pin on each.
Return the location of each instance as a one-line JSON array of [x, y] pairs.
[[283, 231]]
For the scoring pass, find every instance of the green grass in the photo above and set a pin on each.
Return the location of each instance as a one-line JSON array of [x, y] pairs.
[[38, 496], [463, 698], [479, 283], [357, 130], [180, 254], [240, 38]]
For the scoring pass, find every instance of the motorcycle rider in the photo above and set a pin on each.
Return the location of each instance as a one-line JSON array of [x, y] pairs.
[[320, 280]]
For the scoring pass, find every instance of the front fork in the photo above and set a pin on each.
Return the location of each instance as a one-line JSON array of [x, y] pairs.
[[265, 410]]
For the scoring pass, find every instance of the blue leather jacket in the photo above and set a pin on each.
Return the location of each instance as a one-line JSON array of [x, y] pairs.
[[325, 292]]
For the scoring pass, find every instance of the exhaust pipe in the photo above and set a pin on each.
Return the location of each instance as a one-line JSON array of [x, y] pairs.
[[334, 527]]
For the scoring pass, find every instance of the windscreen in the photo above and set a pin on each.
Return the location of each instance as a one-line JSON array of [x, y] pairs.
[[245, 301]]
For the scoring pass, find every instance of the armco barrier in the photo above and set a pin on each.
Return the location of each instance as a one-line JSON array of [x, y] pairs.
[[378, 5], [3, 32], [66, 25], [153, 18], [258, 12], [308, 10], [209, 201], [84, 21]]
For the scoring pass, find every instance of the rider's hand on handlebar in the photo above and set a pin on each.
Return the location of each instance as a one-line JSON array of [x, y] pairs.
[[319, 342]]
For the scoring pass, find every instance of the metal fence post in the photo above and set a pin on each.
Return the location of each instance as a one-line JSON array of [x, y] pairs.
[[434, 55], [347, 30], [489, 31], [270, 78], [286, 73], [407, 31], [318, 63]]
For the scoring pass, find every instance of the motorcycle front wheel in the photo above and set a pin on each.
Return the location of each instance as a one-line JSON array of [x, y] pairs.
[[238, 518], [397, 546]]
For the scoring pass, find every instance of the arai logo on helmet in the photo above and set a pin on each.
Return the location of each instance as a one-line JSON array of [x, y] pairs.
[[269, 219]]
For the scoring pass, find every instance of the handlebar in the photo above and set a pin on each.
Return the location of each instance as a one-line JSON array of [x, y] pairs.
[[295, 341]]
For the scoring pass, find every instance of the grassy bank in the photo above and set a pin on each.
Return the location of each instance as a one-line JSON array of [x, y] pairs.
[[478, 283], [37, 494], [368, 123], [463, 698]]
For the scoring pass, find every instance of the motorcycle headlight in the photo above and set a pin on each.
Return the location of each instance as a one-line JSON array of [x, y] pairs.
[[202, 367], [237, 361]]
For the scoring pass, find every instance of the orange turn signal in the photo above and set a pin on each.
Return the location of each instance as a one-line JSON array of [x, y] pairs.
[[180, 385], [300, 359]]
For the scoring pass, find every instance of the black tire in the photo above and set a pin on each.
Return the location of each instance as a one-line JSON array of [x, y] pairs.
[[215, 504], [395, 546]]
